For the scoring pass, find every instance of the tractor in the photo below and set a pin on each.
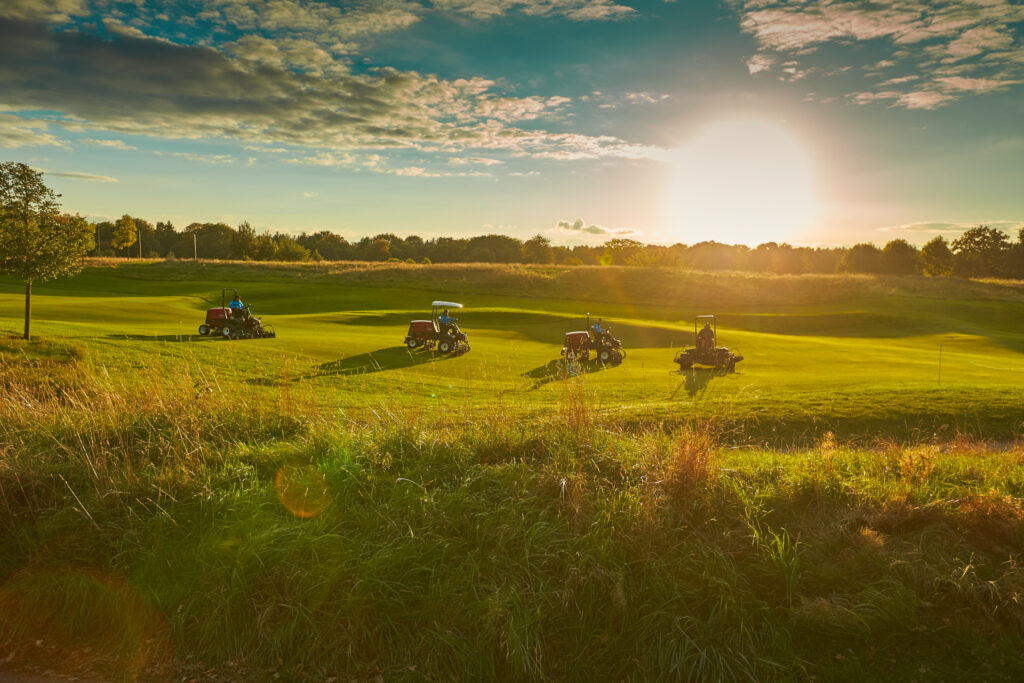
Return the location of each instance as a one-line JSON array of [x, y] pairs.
[[705, 352], [433, 333], [237, 323], [579, 344]]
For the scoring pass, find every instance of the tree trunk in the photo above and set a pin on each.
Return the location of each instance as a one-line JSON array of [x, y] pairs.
[[28, 308]]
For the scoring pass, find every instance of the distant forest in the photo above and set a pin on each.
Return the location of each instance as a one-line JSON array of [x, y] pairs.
[[981, 251]]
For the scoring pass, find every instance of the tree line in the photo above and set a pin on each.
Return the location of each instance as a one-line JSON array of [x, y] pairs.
[[981, 251], [39, 242]]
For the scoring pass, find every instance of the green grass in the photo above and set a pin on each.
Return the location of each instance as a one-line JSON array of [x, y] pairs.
[[822, 351], [324, 504]]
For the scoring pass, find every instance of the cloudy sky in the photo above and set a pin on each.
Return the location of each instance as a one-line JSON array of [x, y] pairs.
[[812, 121]]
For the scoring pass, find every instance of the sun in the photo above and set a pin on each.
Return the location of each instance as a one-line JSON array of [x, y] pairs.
[[743, 181]]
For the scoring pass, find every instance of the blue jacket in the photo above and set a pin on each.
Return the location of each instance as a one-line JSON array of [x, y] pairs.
[[236, 304], [446, 319], [597, 328]]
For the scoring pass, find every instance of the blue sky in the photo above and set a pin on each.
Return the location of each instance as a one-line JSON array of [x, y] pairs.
[[814, 121]]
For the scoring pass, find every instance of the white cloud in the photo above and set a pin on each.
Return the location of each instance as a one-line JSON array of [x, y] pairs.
[[924, 99], [113, 144], [975, 84], [971, 39], [483, 161], [202, 158], [578, 228], [190, 92], [16, 131], [759, 63], [646, 97], [48, 10], [576, 10], [82, 176]]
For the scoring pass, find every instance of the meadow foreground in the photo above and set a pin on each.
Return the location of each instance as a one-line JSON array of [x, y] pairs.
[[327, 504]]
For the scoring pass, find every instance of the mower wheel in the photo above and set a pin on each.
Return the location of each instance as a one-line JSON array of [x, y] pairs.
[[444, 346], [225, 332], [412, 344], [604, 355], [204, 330]]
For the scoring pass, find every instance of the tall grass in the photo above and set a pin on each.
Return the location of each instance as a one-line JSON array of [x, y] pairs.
[[155, 523]]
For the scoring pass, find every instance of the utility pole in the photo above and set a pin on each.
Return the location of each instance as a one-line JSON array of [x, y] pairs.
[[195, 248], [140, 244]]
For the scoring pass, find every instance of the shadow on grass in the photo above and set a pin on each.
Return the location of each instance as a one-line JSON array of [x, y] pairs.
[[561, 369], [390, 358], [696, 380], [161, 337]]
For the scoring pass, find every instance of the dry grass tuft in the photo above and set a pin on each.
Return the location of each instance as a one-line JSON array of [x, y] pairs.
[[692, 462]]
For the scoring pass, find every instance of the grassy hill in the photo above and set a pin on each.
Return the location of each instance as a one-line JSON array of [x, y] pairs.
[[858, 356], [326, 504]]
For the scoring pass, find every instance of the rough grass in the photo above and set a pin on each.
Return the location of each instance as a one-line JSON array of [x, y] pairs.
[[182, 526], [324, 505]]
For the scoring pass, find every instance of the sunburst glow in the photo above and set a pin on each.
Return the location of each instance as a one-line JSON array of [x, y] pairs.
[[740, 181]]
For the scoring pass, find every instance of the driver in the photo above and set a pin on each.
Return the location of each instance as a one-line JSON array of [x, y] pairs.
[[237, 310], [599, 331], [706, 338], [448, 323]]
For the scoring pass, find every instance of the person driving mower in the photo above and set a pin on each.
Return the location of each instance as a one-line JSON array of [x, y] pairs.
[[449, 325], [600, 333], [706, 338]]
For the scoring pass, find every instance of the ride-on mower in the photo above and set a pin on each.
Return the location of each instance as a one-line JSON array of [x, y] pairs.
[[579, 344], [444, 335], [237, 323], [706, 352]]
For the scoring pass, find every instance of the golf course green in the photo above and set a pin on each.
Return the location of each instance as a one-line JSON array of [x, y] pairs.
[[329, 505], [845, 353]]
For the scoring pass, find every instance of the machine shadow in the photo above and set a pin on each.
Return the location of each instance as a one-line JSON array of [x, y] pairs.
[[560, 369], [696, 380], [389, 358]]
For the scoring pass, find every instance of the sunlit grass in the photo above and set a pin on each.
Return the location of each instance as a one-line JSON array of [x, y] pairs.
[[249, 503]]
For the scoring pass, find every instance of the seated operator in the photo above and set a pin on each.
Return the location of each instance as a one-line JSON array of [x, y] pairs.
[[706, 338], [448, 323], [236, 306]]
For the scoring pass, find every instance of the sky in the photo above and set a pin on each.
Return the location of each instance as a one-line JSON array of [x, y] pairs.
[[818, 122]]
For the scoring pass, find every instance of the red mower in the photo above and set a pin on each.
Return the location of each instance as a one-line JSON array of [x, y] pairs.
[[234, 322], [579, 344], [441, 331]]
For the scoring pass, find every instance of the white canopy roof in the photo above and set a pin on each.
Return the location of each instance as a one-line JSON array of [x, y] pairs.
[[446, 304]]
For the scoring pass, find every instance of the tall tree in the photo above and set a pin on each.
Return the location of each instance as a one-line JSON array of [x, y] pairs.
[[165, 237], [936, 258], [243, 242], [537, 249], [981, 251], [37, 243], [861, 258], [377, 250], [125, 232], [899, 257]]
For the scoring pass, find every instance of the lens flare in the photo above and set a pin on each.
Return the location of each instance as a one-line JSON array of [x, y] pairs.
[[82, 621], [302, 490]]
